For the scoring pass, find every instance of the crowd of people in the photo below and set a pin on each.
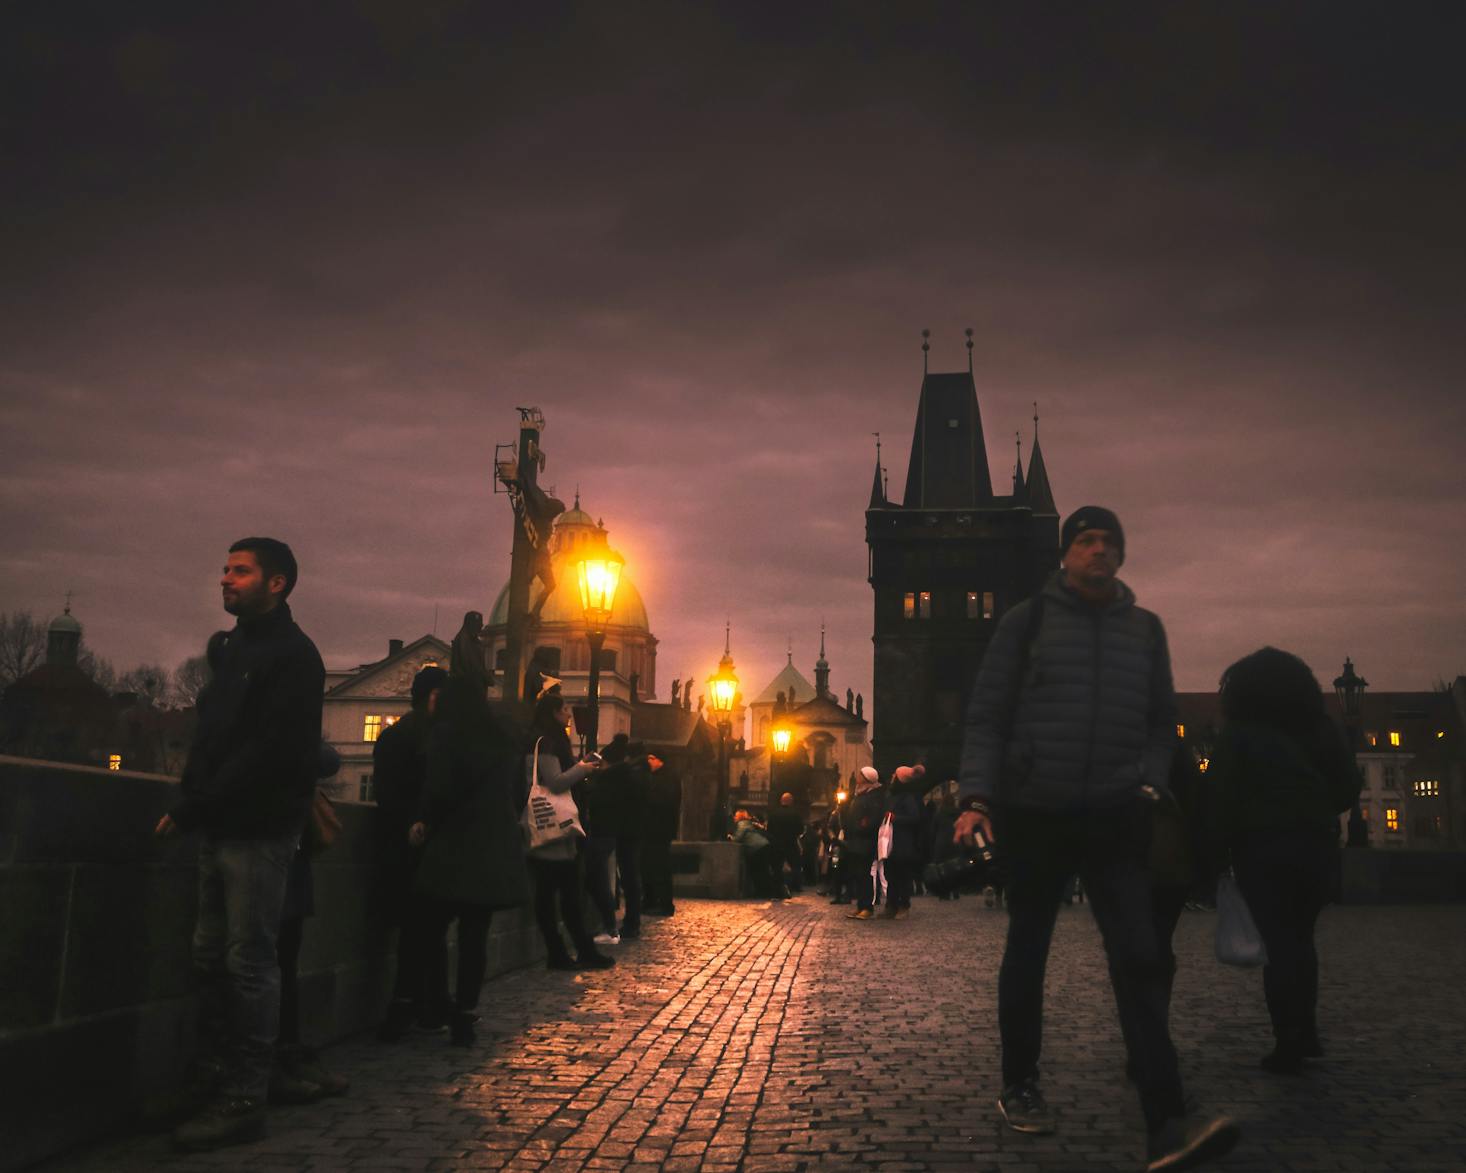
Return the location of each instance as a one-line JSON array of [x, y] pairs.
[[1071, 779]]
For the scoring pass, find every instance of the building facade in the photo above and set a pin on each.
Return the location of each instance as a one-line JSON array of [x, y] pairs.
[[945, 563]]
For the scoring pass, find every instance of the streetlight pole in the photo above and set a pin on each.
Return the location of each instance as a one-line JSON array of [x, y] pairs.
[[599, 573], [722, 695], [1350, 689]]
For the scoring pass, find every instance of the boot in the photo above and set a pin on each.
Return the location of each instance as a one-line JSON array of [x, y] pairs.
[[461, 1032], [398, 1022], [305, 1064], [225, 1121]]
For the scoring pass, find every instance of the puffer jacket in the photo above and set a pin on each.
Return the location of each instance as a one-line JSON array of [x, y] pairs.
[[1096, 709]]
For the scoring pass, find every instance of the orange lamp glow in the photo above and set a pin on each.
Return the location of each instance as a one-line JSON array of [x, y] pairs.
[[599, 574]]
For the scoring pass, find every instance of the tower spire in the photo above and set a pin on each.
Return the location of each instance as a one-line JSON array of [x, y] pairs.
[[877, 489], [1040, 494], [822, 667], [969, 349], [727, 637], [1018, 467], [926, 345]]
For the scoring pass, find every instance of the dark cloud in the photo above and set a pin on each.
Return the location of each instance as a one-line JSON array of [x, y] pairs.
[[293, 277]]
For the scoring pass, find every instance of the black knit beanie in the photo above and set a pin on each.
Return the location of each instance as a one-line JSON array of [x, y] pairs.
[[1090, 517]]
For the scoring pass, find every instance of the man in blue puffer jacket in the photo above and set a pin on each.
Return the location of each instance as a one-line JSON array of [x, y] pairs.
[[1070, 731]]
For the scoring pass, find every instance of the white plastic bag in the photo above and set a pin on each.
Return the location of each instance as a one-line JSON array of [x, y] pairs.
[[1238, 941]]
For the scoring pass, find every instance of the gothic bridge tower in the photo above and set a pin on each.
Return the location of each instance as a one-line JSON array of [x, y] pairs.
[[946, 562]]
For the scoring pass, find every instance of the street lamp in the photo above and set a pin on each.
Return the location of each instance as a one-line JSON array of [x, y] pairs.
[[778, 744], [1350, 689], [599, 573], [722, 694]]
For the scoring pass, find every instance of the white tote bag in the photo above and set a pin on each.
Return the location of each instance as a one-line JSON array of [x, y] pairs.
[[884, 839], [548, 817], [1238, 941]]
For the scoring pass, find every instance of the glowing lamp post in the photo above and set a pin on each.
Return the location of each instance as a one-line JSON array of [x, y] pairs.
[[598, 573], [722, 696], [1350, 689], [779, 738]]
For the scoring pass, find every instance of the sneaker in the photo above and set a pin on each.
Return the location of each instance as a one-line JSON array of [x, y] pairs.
[[860, 914], [1024, 1108], [227, 1120], [607, 939], [1184, 1142]]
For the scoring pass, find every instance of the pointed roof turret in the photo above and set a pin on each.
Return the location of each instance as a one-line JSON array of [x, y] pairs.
[[877, 489], [1020, 490], [822, 668], [1040, 495], [949, 465]]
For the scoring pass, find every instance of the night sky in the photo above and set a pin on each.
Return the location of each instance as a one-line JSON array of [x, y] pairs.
[[291, 271]]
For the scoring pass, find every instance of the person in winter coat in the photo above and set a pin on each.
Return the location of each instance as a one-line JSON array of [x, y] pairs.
[[758, 856], [555, 866], [908, 787], [785, 829], [604, 792], [1282, 774], [1069, 735], [472, 863], [399, 773], [862, 822]]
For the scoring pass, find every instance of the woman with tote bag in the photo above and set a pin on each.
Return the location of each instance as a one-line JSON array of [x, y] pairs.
[[1283, 774], [549, 765]]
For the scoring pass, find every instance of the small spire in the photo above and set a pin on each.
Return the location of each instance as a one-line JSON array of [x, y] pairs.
[[822, 638], [577, 496], [1018, 465], [790, 649], [877, 490], [68, 603], [968, 332], [727, 637], [1035, 421], [926, 345]]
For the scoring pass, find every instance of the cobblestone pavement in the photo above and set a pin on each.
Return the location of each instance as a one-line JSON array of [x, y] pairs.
[[745, 1036]]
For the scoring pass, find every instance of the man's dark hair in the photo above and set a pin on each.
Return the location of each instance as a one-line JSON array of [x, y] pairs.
[[274, 557]]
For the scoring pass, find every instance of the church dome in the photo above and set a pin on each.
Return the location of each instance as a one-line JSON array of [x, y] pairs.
[[65, 622], [574, 529]]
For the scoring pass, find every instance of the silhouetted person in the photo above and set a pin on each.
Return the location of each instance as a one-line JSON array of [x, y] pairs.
[[785, 830]]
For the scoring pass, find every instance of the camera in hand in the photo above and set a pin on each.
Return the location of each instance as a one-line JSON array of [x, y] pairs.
[[968, 866]]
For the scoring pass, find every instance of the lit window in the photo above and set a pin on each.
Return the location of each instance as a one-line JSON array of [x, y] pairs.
[[1395, 738], [1439, 733], [1392, 818], [924, 605], [909, 605], [1372, 737], [1180, 730], [372, 727], [987, 604], [1204, 765], [972, 599], [1427, 788], [114, 761]]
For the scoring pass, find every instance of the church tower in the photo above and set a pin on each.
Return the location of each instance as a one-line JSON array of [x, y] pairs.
[[946, 562]]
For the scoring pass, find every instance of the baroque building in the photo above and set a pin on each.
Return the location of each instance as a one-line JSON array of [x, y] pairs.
[[945, 562]]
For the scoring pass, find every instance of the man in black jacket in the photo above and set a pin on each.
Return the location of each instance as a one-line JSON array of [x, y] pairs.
[[1070, 730], [247, 786]]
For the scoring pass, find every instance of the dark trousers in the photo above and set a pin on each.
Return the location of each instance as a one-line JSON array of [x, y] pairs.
[[473, 943], [1166, 903], [788, 855], [1108, 851], [1284, 876], [856, 866], [557, 891], [287, 949], [656, 866], [628, 862], [422, 958], [598, 850], [900, 879]]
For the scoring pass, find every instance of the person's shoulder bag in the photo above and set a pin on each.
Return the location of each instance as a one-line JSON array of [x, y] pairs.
[[548, 817]]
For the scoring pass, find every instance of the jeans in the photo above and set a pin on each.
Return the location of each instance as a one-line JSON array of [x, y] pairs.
[[241, 894], [557, 881], [1108, 850], [1284, 876]]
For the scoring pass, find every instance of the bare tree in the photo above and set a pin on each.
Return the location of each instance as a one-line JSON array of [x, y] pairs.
[[148, 681], [99, 669], [22, 645], [189, 679]]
